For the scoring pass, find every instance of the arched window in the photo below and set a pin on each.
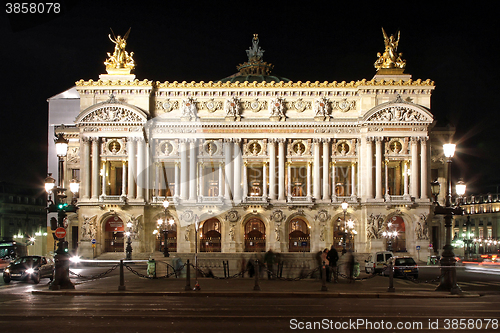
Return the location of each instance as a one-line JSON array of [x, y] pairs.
[[210, 237], [255, 235], [298, 238]]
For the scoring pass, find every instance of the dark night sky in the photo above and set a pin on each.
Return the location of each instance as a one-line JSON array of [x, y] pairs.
[[457, 47]]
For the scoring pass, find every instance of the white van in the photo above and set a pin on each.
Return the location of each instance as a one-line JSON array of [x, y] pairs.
[[376, 261]]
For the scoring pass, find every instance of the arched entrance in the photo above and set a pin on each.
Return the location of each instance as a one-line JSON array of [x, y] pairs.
[[113, 234], [399, 243], [298, 238], [210, 236], [255, 235]]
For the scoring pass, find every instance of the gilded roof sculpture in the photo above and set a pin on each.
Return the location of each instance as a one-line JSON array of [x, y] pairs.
[[120, 62], [390, 62]]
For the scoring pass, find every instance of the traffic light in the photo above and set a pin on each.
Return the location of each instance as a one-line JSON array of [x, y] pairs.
[[65, 246], [61, 214], [53, 223]]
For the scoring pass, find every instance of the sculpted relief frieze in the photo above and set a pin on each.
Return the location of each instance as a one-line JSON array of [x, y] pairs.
[[399, 114], [112, 114]]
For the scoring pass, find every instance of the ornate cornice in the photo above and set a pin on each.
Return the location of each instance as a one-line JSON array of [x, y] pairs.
[[298, 84], [103, 83]]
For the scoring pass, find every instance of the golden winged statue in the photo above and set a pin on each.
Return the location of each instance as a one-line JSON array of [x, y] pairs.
[[120, 62], [390, 58]]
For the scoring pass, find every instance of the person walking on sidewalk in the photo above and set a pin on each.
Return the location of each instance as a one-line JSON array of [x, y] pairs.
[[324, 261], [269, 259], [333, 257]]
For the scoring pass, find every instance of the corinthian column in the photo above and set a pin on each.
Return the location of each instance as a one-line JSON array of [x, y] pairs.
[[86, 168], [237, 170], [414, 167], [140, 169], [369, 168], [378, 168], [264, 180], [95, 168], [228, 167], [272, 169], [192, 170], [423, 168], [326, 183], [281, 169], [316, 177], [184, 168], [131, 167]]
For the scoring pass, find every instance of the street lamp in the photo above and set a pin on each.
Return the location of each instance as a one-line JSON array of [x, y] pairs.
[[390, 234], [448, 271], [196, 224], [128, 249], [344, 208], [61, 274], [352, 231]]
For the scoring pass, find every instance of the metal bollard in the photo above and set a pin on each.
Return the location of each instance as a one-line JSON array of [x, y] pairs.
[[323, 277], [121, 287], [256, 286], [188, 276], [391, 288]]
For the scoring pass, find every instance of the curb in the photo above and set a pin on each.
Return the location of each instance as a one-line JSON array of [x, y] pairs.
[[251, 294]]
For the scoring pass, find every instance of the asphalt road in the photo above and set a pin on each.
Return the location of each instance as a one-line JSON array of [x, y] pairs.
[[21, 311]]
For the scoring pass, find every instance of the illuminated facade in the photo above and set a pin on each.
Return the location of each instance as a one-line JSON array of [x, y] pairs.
[[262, 162]]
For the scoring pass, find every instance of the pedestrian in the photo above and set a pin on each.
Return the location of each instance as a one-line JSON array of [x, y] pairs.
[[324, 261], [350, 266], [270, 259], [333, 257], [250, 267]]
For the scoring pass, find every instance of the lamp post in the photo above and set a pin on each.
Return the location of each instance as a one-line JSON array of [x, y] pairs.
[[165, 230], [389, 234], [128, 249], [448, 271], [196, 224], [352, 231], [344, 208], [61, 272]]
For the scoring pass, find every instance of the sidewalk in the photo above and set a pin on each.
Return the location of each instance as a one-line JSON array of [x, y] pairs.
[[374, 287]]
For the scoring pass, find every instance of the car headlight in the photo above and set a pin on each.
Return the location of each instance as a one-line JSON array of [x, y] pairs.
[[75, 259], [6, 270], [30, 271]]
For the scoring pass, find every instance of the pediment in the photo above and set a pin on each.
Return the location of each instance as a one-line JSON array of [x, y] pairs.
[[399, 111], [112, 111]]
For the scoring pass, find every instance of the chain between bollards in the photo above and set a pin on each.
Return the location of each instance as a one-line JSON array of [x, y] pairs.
[[121, 287]]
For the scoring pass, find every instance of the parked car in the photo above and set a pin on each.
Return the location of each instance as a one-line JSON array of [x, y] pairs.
[[377, 261], [403, 267], [29, 268]]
